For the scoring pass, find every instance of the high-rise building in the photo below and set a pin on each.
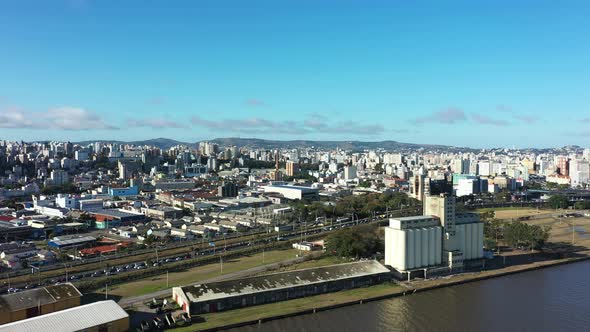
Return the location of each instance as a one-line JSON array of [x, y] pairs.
[[563, 166], [212, 163], [68, 148], [292, 168], [228, 189], [467, 187], [420, 187], [128, 168], [461, 166], [59, 177], [277, 175], [349, 172], [484, 168], [579, 172]]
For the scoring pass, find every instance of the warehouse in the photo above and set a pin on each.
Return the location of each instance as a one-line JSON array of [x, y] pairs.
[[12, 231], [71, 241], [102, 316], [232, 294], [108, 218], [294, 192], [35, 302]]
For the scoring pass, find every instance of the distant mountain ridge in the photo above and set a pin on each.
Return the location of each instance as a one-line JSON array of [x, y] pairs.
[[166, 143], [345, 145]]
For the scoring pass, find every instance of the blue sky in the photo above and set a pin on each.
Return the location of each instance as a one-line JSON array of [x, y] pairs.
[[467, 73]]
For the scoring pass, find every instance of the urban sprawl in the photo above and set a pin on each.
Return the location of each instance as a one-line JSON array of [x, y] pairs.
[[79, 221]]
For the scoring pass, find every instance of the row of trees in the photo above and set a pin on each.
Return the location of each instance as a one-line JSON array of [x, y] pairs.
[[67, 188], [515, 234], [562, 202], [361, 206]]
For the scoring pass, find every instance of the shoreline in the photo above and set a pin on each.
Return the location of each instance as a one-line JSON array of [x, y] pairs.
[[419, 286]]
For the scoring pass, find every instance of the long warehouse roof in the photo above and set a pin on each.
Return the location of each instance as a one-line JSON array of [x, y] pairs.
[[70, 320], [229, 288]]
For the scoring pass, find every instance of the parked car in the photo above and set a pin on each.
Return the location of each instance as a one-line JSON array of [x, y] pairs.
[[170, 320], [145, 326], [158, 323]]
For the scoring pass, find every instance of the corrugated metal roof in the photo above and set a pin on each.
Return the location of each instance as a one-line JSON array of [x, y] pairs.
[[70, 320], [280, 280], [74, 241], [40, 296]]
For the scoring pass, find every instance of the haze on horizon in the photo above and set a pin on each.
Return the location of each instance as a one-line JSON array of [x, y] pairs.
[[462, 73]]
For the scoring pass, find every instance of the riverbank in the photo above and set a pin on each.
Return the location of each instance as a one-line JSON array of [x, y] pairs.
[[309, 305]]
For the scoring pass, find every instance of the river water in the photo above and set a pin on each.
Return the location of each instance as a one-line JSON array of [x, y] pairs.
[[551, 299]]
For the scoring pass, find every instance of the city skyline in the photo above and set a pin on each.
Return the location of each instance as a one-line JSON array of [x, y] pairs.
[[475, 75]]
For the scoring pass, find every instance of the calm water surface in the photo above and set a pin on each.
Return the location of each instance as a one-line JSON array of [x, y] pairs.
[[552, 299]]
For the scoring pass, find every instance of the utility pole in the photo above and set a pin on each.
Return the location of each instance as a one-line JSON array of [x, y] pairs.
[[573, 233], [38, 273], [106, 291], [167, 283], [66, 268], [300, 232], [221, 263]]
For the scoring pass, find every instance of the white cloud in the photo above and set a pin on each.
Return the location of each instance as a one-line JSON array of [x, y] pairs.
[[484, 119], [59, 118], [313, 124], [155, 123], [447, 116]]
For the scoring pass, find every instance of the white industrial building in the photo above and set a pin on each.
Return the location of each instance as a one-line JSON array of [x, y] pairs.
[[293, 192], [438, 238], [413, 242]]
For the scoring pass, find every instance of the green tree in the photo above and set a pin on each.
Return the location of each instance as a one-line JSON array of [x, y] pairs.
[[365, 184], [519, 234], [358, 242], [379, 168], [558, 202], [503, 196]]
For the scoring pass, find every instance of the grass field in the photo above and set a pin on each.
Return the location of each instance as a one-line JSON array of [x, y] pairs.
[[196, 274], [567, 230], [286, 307], [316, 262], [514, 212]]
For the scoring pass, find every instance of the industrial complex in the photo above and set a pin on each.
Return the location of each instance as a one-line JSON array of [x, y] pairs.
[[440, 238]]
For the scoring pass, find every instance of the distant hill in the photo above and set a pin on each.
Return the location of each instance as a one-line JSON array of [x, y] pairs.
[[346, 145], [165, 143]]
